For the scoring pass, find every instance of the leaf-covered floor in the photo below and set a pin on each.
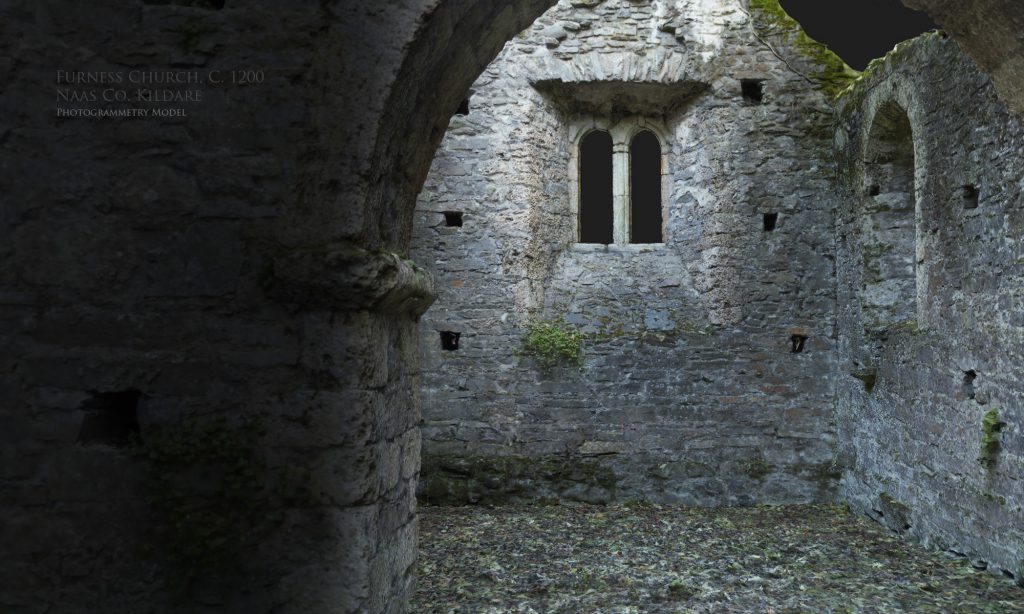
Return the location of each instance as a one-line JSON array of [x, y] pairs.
[[647, 558]]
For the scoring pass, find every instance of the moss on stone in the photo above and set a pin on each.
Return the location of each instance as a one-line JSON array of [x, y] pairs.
[[869, 376], [826, 475], [757, 468], [834, 76], [457, 480], [990, 428], [897, 55], [694, 328], [895, 514]]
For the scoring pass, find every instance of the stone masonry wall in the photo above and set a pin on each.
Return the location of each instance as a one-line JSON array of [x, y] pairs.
[[209, 383], [914, 397], [689, 390]]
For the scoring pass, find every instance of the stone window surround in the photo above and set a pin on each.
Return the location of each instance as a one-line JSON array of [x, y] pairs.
[[909, 106], [622, 133]]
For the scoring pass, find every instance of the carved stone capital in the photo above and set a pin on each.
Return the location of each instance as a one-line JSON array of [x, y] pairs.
[[342, 276]]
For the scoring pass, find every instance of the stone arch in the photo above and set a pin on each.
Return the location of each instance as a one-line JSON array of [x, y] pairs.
[[894, 139], [889, 214], [425, 74], [413, 120], [453, 45]]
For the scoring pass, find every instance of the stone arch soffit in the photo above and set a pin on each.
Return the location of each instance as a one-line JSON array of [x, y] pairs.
[[645, 125], [454, 42], [989, 32], [906, 102], [580, 131]]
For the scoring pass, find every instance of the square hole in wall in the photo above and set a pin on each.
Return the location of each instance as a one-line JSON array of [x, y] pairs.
[[874, 189], [450, 340], [770, 221], [111, 418], [967, 387], [970, 196], [453, 219], [798, 342], [753, 90]]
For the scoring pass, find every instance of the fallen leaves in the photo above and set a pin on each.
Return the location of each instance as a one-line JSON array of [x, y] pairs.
[[651, 558]]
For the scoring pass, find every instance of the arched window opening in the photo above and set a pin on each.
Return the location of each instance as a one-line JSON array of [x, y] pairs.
[[888, 226], [596, 201], [645, 188]]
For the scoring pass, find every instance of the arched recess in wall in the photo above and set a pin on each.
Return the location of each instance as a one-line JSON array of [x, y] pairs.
[[596, 218], [888, 293], [645, 210]]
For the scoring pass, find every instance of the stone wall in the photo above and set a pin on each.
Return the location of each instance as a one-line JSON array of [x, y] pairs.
[[917, 388], [204, 316], [689, 390]]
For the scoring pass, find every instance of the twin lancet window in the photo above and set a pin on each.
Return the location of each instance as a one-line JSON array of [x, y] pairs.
[[620, 189]]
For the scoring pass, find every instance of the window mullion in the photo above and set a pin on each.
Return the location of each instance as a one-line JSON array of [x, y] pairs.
[[620, 191]]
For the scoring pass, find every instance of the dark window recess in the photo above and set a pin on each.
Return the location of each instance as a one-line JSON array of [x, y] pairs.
[[450, 340], [970, 196], [463, 108], [798, 343], [645, 188], [874, 190], [753, 90], [453, 219], [770, 220], [596, 209], [968, 386], [111, 418]]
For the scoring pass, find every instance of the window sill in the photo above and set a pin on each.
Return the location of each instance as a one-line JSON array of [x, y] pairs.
[[617, 248]]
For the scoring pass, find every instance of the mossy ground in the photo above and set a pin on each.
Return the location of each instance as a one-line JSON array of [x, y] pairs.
[[650, 558]]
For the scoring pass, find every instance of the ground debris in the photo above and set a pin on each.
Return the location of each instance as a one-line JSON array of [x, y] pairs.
[[629, 558]]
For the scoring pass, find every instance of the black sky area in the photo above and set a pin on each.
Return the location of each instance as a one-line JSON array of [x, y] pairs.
[[858, 30]]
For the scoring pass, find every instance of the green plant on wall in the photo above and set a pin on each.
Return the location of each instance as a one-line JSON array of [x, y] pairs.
[[553, 343], [990, 428]]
